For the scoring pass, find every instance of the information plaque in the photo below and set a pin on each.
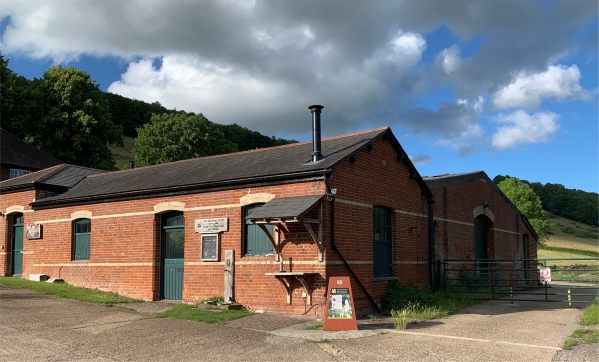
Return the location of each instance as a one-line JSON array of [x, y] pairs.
[[210, 247], [340, 314]]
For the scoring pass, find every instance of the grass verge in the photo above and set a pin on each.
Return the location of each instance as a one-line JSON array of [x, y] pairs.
[[206, 315], [405, 303], [581, 336], [590, 317], [67, 291]]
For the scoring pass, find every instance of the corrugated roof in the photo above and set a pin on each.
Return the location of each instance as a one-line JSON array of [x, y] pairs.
[[61, 176], [284, 208], [15, 152], [287, 160]]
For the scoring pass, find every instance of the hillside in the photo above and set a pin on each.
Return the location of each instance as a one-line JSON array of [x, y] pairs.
[[571, 240], [577, 205], [66, 108]]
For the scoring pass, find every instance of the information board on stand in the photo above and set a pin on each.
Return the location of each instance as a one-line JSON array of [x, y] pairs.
[[339, 314]]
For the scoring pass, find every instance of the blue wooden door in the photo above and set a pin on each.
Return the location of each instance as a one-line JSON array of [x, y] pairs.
[[17, 245], [173, 241]]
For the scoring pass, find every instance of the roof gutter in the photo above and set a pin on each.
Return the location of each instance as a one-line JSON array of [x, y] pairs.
[[186, 189]]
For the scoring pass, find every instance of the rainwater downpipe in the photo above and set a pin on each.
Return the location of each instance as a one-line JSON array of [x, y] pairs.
[[431, 243]]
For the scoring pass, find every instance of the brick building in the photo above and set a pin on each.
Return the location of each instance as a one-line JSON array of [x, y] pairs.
[[18, 158], [276, 222]]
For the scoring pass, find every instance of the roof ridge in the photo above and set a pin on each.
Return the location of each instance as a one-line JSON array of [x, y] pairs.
[[38, 171], [447, 175], [244, 152]]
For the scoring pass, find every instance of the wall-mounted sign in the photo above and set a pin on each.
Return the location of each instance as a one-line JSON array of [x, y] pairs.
[[34, 231], [210, 247], [545, 275], [339, 312], [211, 226]]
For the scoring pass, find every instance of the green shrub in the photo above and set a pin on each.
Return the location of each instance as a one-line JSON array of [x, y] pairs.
[[214, 300], [399, 297]]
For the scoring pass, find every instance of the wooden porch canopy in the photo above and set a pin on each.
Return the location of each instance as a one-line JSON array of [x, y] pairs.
[[284, 210]]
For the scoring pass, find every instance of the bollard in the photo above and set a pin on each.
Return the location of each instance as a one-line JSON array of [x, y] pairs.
[[569, 299]]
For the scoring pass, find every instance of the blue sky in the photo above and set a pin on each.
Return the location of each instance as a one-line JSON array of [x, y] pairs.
[[507, 87]]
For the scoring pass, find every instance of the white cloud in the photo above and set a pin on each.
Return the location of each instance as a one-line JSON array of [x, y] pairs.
[[528, 90], [258, 63], [519, 127], [420, 159], [450, 59]]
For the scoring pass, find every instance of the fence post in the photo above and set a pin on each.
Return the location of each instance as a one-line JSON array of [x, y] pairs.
[[445, 275], [492, 280], [569, 299], [511, 296]]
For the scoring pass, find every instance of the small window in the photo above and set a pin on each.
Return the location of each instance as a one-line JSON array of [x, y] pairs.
[[16, 172], [255, 242], [383, 252], [81, 239]]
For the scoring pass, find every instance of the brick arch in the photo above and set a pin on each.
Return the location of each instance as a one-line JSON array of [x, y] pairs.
[[14, 208], [255, 198], [385, 201], [81, 214], [169, 206], [481, 210]]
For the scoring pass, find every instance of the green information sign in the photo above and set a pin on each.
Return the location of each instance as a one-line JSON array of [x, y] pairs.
[[340, 304]]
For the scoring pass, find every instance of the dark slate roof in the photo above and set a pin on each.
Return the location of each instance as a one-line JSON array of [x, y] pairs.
[[15, 152], [60, 178], [459, 178], [284, 208], [454, 179], [288, 161]]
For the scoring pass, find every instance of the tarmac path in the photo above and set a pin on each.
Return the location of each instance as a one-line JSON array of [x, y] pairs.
[[35, 326]]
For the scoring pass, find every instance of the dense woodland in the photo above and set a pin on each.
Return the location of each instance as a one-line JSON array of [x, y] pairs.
[[573, 204], [65, 114]]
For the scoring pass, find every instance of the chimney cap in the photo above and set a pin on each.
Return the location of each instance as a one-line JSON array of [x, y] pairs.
[[315, 107]]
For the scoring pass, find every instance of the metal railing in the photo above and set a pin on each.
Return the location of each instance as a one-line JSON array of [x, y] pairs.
[[573, 280]]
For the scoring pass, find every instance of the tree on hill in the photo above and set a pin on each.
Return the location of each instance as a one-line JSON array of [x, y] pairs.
[[19, 99], [573, 204], [131, 113], [74, 124], [529, 204], [178, 136]]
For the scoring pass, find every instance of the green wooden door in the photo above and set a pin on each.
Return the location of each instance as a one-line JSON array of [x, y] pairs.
[[17, 245], [173, 242]]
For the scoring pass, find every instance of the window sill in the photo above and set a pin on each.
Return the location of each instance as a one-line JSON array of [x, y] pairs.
[[258, 256], [382, 279]]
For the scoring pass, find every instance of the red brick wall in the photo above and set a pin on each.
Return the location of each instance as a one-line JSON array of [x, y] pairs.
[[454, 232], [124, 255], [377, 178], [22, 199]]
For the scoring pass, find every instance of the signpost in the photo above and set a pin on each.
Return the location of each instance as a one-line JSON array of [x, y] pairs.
[[545, 275], [211, 226], [340, 314]]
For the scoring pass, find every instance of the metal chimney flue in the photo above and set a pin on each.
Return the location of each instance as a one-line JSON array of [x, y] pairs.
[[316, 143]]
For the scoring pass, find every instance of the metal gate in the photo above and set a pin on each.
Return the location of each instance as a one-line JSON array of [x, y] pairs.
[[571, 281]]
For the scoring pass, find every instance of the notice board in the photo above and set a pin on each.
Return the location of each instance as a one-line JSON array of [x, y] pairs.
[[339, 314]]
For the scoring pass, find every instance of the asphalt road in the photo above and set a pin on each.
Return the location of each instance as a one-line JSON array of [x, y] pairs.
[[36, 326]]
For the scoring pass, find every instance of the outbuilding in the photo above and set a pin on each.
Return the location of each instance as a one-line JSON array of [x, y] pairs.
[[266, 227]]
